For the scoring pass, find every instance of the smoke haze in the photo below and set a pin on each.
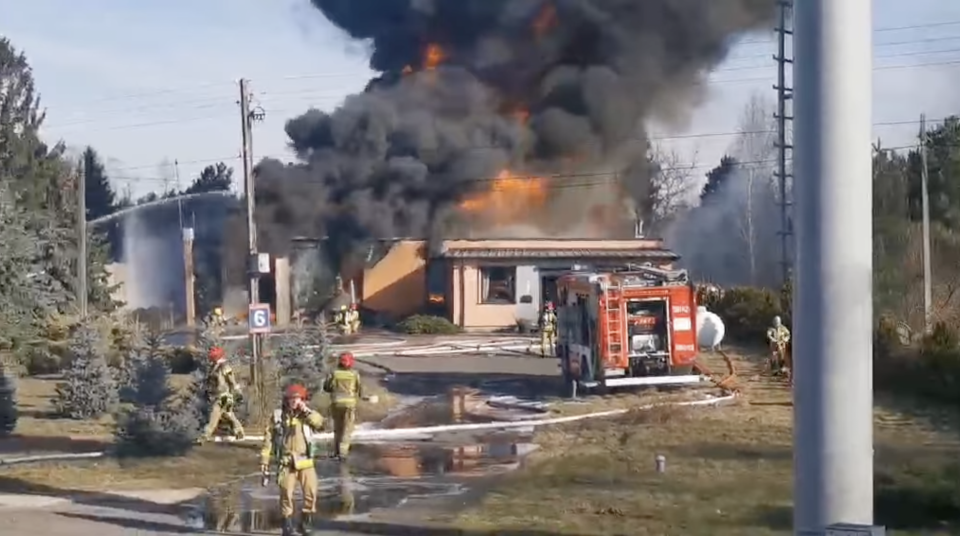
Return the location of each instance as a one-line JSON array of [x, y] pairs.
[[496, 115]]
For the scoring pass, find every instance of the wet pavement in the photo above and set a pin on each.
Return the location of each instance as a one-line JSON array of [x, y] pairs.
[[376, 477], [380, 476]]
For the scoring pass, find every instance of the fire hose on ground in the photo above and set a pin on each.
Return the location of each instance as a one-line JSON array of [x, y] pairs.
[[400, 434]]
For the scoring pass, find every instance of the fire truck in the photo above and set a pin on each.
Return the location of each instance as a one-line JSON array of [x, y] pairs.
[[632, 327]]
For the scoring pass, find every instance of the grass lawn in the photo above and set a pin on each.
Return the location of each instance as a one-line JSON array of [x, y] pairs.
[[729, 472], [39, 432]]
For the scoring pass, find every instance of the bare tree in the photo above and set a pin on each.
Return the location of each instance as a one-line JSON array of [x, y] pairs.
[[754, 149], [672, 184], [730, 238]]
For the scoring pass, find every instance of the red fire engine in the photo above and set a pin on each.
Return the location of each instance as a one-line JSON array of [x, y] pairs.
[[632, 327]]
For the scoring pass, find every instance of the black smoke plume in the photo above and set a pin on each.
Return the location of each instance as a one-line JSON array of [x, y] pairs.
[[396, 159]]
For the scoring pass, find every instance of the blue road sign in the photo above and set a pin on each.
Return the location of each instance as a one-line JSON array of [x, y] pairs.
[[258, 320]]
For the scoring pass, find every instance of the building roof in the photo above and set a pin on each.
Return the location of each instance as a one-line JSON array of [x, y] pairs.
[[561, 253]]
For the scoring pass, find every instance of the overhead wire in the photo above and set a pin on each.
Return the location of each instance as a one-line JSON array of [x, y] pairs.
[[215, 102], [308, 76]]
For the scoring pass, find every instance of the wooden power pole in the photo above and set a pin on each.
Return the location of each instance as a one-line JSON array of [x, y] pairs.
[[190, 277], [82, 293], [925, 199], [247, 117]]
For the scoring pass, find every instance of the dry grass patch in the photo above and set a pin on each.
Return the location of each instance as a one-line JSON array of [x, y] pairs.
[[729, 472], [203, 467]]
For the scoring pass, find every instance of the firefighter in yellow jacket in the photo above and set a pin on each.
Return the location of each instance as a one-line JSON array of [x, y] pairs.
[[548, 330], [223, 393], [288, 444], [345, 390]]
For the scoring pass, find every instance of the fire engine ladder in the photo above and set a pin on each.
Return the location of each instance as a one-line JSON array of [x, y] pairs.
[[614, 320]]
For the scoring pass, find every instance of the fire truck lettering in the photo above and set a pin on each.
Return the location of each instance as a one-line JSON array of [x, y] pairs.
[[682, 324], [686, 348], [680, 309]]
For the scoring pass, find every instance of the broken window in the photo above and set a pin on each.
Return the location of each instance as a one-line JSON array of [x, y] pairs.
[[498, 284]]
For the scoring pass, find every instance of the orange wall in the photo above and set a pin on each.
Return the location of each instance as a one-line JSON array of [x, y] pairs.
[[397, 284]]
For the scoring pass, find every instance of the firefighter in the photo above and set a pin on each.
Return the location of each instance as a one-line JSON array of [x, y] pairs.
[[345, 390], [223, 393], [778, 336], [342, 320], [548, 330], [288, 444], [353, 319], [218, 318]]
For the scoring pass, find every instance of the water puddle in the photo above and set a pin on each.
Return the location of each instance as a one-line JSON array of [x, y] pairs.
[[377, 476]]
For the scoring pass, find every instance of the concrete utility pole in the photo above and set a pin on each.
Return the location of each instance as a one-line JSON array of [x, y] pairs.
[[82, 292], [925, 197], [833, 321], [246, 130], [784, 94]]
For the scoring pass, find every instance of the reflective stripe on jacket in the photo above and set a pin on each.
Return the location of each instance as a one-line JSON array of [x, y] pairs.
[[344, 387], [293, 434]]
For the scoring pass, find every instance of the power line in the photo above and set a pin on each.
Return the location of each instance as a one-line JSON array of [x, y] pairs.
[[493, 147], [367, 73], [951, 63]]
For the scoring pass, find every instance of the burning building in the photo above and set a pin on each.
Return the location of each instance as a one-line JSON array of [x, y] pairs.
[[495, 119]]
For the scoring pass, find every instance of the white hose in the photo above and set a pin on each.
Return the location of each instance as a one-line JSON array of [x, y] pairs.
[[405, 433], [408, 433], [53, 457]]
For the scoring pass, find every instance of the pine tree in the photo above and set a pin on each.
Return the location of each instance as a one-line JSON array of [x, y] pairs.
[[157, 424], [90, 389], [303, 358], [8, 401], [147, 355]]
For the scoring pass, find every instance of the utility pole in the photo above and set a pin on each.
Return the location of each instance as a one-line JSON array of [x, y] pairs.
[[247, 117], [246, 130], [925, 198], [82, 292], [833, 294], [190, 277], [784, 178]]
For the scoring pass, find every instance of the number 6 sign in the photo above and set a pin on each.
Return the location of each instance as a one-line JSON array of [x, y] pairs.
[[259, 318]]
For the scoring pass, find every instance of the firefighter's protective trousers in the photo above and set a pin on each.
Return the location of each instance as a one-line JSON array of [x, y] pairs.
[[222, 386], [353, 322], [287, 443], [779, 337], [345, 390]]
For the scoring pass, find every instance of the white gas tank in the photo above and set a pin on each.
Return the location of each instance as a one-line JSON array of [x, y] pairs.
[[710, 329]]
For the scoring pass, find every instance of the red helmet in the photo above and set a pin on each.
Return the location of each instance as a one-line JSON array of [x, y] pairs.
[[296, 391], [216, 353], [353, 306], [346, 360], [549, 305]]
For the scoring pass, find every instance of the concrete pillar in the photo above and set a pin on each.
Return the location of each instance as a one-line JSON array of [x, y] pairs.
[[281, 274], [833, 294]]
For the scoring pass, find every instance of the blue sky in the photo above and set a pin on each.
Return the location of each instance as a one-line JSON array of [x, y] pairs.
[[148, 83]]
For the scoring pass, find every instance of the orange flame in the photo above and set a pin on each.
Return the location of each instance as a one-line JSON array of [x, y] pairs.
[[545, 21], [510, 198], [433, 57]]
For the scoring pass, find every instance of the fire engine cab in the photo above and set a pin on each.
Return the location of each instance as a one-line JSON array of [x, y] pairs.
[[622, 328]]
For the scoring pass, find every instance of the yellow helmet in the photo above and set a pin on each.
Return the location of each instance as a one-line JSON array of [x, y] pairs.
[[343, 307], [218, 311]]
